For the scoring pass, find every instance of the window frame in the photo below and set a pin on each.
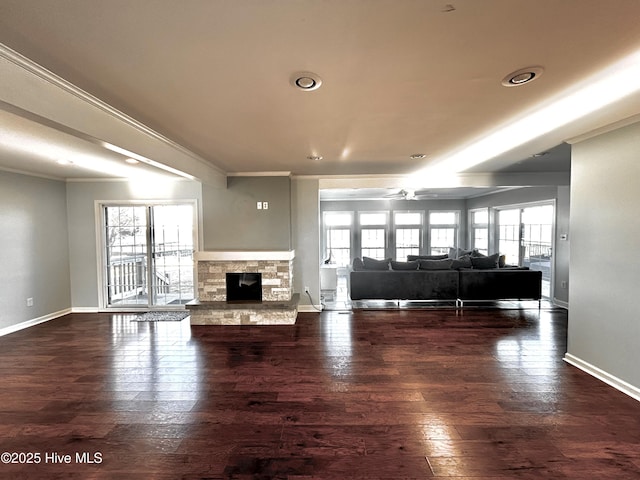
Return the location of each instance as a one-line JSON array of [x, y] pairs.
[[327, 229], [419, 226], [435, 250], [473, 226], [384, 226]]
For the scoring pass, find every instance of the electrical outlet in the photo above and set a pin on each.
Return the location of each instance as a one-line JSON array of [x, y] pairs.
[[306, 289], [30, 302], [265, 205], [563, 284]]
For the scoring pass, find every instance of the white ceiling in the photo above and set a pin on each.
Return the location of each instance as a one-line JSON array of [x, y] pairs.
[[399, 77]]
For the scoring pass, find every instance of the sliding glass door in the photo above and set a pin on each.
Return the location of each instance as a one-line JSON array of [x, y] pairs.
[[537, 242], [525, 236], [148, 254]]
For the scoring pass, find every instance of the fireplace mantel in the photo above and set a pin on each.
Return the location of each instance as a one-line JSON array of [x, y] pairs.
[[244, 255]]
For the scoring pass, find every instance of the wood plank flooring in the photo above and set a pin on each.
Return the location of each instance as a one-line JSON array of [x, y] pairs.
[[407, 394]]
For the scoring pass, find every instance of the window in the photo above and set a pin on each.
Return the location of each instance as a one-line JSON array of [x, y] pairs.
[[373, 234], [338, 237], [479, 228], [509, 235], [408, 231], [443, 231]]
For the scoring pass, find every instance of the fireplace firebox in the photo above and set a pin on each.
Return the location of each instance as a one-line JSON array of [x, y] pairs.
[[244, 287]]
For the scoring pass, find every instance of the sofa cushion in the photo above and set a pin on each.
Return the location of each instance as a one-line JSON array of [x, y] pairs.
[[357, 264], [373, 264], [485, 262], [442, 264], [456, 253], [462, 262], [502, 259], [427, 257], [404, 265]]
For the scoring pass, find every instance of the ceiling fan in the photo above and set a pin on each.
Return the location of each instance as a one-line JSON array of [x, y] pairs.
[[408, 194]]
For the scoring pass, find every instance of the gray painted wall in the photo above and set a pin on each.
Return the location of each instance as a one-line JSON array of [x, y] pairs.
[[305, 221], [604, 326], [231, 220], [561, 254], [83, 245], [540, 194], [34, 249]]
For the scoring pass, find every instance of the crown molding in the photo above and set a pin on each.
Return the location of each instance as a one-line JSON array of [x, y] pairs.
[[31, 174], [606, 129], [259, 174], [118, 179], [35, 69]]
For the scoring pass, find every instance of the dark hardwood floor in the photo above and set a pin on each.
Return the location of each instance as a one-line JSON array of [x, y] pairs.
[[405, 394]]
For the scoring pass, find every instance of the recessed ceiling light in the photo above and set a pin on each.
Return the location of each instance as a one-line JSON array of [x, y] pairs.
[[315, 157], [417, 156], [132, 161], [522, 76], [305, 81]]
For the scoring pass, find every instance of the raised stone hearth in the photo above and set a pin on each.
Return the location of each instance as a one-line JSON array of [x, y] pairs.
[[278, 306], [244, 313]]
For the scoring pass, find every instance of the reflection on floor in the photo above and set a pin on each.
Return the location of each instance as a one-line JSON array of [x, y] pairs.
[[376, 395]]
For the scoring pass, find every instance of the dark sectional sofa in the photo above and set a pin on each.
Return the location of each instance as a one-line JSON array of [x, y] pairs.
[[370, 280]]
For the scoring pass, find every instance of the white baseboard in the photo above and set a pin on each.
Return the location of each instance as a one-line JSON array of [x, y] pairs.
[[35, 321], [310, 308], [85, 310], [560, 303], [615, 382]]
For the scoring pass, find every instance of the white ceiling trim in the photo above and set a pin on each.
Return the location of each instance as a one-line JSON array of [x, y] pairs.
[[31, 174], [450, 181], [607, 128], [259, 174], [180, 158]]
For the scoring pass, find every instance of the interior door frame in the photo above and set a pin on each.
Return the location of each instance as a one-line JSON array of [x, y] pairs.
[[101, 240]]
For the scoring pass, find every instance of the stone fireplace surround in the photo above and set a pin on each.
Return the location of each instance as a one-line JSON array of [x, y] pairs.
[[279, 305]]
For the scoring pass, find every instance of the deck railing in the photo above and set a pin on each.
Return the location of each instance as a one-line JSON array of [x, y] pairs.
[[127, 277]]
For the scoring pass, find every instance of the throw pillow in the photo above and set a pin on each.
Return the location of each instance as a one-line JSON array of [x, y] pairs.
[[458, 252], [404, 265], [373, 264], [442, 264], [357, 264], [427, 257], [462, 262], [502, 260], [485, 262]]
